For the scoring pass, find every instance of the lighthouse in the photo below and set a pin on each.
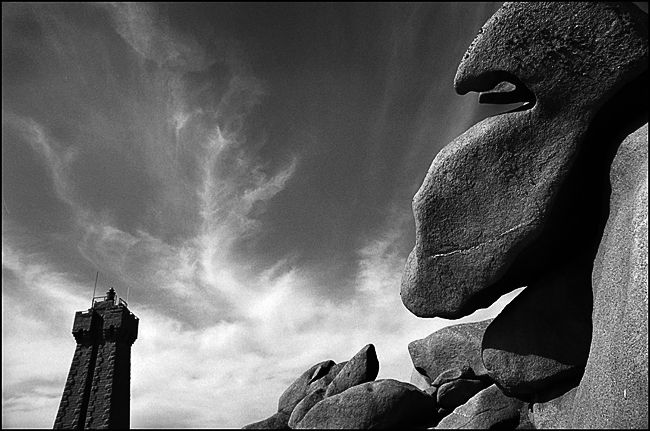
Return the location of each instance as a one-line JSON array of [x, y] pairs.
[[98, 389]]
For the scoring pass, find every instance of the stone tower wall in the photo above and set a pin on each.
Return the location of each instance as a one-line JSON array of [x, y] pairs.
[[74, 402], [97, 391]]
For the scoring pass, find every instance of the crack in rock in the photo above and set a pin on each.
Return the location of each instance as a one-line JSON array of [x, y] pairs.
[[464, 250]]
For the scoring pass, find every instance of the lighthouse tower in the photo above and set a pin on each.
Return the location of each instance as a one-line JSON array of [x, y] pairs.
[[98, 389]]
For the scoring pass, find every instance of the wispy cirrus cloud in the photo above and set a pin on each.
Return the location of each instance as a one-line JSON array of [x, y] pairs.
[[146, 31], [56, 159], [228, 182], [36, 320], [146, 134], [183, 290], [241, 365]]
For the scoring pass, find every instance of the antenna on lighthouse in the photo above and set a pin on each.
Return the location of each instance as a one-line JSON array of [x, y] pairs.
[[92, 301]]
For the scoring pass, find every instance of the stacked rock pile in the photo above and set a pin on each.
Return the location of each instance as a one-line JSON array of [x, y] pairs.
[[346, 395]]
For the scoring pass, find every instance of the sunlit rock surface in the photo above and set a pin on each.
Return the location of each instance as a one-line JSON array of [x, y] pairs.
[[450, 348], [523, 199], [614, 390], [489, 408], [506, 200], [361, 368], [380, 404]]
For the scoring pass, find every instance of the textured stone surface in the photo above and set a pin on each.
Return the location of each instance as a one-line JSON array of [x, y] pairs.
[[278, 421], [326, 379], [301, 386], [556, 413], [488, 408], [334, 371], [540, 341], [452, 374], [362, 368], [97, 390], [457, 392], [304, 406], [525, 418], [487, 219], [378, 404], [457, 346], [614, 389]]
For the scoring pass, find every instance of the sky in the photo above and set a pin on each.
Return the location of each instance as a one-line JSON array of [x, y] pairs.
[[243, 172]]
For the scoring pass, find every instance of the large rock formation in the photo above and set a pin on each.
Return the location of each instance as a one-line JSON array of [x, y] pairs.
[[502, 203], [553, 196], [523, 199]]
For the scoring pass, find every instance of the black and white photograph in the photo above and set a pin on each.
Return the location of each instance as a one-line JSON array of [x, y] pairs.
[[325, 215]]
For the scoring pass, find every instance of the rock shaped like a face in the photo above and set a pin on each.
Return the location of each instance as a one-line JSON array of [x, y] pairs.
[[495, 209]]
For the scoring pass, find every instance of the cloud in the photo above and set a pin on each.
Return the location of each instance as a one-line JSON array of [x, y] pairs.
[[241, 359], [36, 321], [220, 338], [56, 159], [222, 335], [191, 302], [147, 32], [231, 182], [242, 366]]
